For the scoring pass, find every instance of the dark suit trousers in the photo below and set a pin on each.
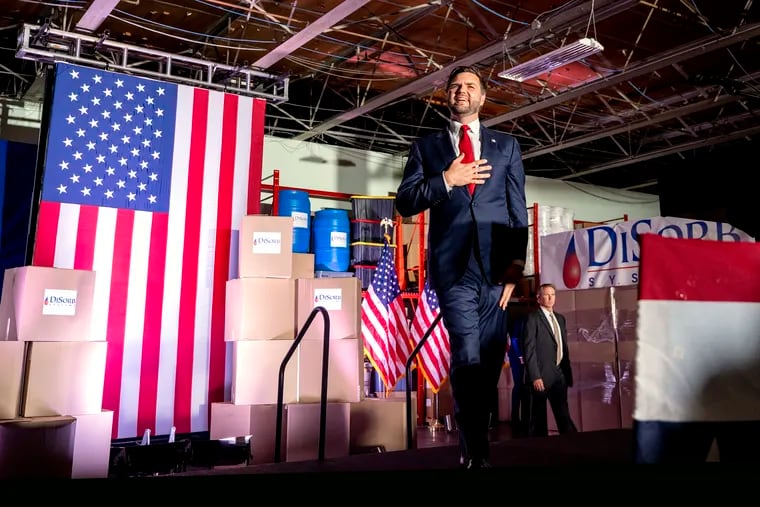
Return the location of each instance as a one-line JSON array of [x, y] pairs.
[[478, 336], [557, 396]]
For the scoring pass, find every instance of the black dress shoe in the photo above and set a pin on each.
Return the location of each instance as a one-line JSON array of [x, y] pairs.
[[476, 463]]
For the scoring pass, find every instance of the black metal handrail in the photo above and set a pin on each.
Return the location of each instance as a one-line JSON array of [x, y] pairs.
[[409, 422], [323, 399]]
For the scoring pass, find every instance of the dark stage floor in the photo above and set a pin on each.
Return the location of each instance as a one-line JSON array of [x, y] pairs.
[[593, 460], [586, 463], [607, 448]]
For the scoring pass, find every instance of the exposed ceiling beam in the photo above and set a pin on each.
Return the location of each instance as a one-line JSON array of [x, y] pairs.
[[649, 183], [668, 115], [648, 66], [566, 19], [95, 14], [404, 21], [701, 143], [310, 32]]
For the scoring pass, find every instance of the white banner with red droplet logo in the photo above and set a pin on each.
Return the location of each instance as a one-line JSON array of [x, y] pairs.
[[608, 255]]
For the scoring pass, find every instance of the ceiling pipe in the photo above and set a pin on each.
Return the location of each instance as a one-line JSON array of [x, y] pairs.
[[568, 19]]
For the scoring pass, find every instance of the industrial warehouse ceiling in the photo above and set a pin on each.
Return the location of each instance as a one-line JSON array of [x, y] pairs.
[[676, 84]]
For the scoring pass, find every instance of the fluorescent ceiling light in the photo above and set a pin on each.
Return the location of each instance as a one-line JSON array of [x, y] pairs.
[[96, 13], [550, 61]]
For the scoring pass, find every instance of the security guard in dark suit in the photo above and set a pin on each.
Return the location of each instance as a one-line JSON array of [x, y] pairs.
[[547, 364]]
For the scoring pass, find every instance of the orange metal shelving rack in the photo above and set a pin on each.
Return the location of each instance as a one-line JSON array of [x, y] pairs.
[[412, 296]]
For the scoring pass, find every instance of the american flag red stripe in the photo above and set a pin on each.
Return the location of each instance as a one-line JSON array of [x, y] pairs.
[[88, 221], [117, 309], [44, 242], [161, 275], [385, 327], [217, 347], [190, 251], [146, 410], [435, 354]]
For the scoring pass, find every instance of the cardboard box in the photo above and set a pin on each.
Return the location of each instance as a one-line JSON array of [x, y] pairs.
[[260, 309], [12, 357], [504, 396], [303, 265], [63, 378], [345, 372], [46, 304], [439, 405], [599, 396], [259, 421], [381, 422], [266, 247], [505, 378], [39, 448], [602, 351], [256, 372], [92, 445], [627, 393], [302, 431], [341, 297]]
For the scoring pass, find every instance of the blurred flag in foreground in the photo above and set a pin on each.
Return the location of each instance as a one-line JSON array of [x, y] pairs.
[[698, 351]]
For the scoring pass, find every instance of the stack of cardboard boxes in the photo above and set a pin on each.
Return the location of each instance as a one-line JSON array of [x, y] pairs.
[[266, 307], [601, 328], [52, 372]]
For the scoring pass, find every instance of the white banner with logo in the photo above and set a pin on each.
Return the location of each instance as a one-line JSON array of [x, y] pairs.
[[608, 255]]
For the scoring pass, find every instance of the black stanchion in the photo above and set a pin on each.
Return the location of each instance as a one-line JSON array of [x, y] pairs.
[[409, 422]]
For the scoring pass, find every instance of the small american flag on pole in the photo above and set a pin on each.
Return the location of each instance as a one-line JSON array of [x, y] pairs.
[[435, 353], [145, 183], [385, 327]]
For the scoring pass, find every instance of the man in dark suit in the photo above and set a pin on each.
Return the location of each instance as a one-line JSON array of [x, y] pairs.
[[471, 178], [547, 364]]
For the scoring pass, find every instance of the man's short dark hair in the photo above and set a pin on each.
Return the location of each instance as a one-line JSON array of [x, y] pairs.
[[466, 68], [546, 286]]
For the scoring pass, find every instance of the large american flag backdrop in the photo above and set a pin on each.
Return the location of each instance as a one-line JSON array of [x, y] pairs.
[[146, 182]]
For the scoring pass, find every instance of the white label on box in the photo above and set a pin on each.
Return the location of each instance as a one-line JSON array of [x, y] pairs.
[[267, 242], [300, 219], [329, 299], [59, 302], [338, 239]]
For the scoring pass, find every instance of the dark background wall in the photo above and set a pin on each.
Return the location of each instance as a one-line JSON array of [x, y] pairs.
[[17, 166], [717, 185]]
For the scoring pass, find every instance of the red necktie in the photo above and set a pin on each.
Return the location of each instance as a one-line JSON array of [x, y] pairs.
[[465, 146]]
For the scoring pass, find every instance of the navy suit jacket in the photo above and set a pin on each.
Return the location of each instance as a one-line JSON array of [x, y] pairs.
[[497, 210]]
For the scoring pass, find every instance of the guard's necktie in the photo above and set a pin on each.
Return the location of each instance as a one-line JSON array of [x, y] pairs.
[[557, 336], [465, 146]]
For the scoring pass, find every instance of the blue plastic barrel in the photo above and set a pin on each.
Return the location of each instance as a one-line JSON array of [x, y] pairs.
[[296, 204], [330, 234]]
